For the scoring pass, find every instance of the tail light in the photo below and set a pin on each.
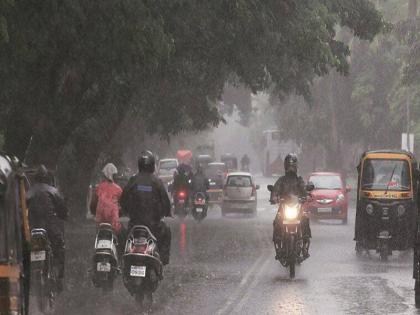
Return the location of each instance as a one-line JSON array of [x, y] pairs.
[[254, 191], [181, 194]]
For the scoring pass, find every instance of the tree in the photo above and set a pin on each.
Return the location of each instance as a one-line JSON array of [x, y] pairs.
[[72, 70]]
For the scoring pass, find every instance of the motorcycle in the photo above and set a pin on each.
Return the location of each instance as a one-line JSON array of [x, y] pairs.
[[105, 259], [181, 203], [199, 210], [43, 273], [289, 216], [142, 267]]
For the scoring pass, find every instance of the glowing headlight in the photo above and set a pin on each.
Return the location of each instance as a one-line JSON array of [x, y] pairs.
[[291, 212], [400, 210], [340, 197], [369, 209]]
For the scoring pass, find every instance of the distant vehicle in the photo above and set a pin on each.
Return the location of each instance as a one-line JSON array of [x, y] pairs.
[[199, 207], [166, 169], [274, 152], [203, 160], [184, 156], [230, 160], [240, 194], [330, 198], [216, 173]]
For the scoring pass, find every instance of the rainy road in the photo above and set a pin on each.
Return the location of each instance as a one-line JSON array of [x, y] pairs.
[[227, 266]]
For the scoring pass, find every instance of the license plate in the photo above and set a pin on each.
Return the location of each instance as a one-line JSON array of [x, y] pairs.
[[199, 210], [138, 271], [181, 201], [38, 256], [104, 244], [103, 266], [324, 210]]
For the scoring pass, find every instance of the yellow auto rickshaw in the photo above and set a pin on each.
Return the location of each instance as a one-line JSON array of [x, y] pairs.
[[386, 202], [14, 237]]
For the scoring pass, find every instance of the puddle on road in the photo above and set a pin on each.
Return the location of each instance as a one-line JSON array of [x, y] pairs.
[[367, 295]]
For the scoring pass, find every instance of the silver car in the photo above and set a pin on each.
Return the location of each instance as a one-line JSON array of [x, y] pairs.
[[239, 194]]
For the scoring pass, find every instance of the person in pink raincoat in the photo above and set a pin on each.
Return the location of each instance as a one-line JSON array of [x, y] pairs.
[[105, 200]]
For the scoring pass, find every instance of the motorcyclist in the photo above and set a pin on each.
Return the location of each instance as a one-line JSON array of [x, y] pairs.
[[48, 210], [199, 182], [286, 185], [245, 161], [182, 178], [105, 203], [146, 202]]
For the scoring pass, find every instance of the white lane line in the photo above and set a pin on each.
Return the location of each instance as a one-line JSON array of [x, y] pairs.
[[239, 306], [243, 283]]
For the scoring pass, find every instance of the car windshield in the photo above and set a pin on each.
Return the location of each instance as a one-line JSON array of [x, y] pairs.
[[214, 171], [166, 167], [239, 181], [386, 174], [326, 181]]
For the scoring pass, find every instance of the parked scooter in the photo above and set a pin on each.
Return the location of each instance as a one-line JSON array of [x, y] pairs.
[[142, 267], [199, 210], [105, 259], [43, 272]]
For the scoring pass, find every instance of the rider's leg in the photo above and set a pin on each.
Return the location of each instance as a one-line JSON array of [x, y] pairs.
[[164, 237], [306, 235]]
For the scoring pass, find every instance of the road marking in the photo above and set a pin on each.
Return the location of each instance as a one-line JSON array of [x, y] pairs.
[[243, 283], [240, 304]]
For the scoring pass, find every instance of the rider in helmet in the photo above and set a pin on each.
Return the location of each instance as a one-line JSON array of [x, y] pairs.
[[48, 210], [146, 202], [288, 184], [182, 178], [199, 182]]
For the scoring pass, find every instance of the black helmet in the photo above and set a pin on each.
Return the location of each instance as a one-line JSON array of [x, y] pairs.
[[146, 162], [290, 163], [41, 175]]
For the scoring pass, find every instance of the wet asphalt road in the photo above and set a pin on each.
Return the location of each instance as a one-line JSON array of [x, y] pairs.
[[226, 266]]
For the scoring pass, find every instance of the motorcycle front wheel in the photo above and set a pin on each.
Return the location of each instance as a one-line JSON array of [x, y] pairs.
[[292, 256]]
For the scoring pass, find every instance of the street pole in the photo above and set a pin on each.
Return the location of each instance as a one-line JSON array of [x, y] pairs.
[[408, 121]]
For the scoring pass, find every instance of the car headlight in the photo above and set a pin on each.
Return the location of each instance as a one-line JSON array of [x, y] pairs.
[[291, 212], [369, 209], [400, 210], [340, 197]]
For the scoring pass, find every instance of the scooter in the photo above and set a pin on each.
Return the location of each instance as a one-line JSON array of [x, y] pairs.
[[199, 210], [105, 259], [142, 267], [43, 274], [181, 203]]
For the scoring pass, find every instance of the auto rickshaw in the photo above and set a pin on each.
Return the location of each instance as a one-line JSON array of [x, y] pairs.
[[386, 202], [230, 161], [14, 239]]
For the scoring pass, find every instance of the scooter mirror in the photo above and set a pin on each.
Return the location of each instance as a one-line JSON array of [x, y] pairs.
[[270, 187]]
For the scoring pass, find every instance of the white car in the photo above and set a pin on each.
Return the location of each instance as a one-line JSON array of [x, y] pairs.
[[240, 194]]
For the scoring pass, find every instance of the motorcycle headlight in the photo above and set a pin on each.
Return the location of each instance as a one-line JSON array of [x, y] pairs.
[[340, 197], [291, 212], [400, 210], [369, 209]]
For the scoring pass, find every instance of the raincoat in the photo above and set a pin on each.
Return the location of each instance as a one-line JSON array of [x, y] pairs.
[[105, 202]]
